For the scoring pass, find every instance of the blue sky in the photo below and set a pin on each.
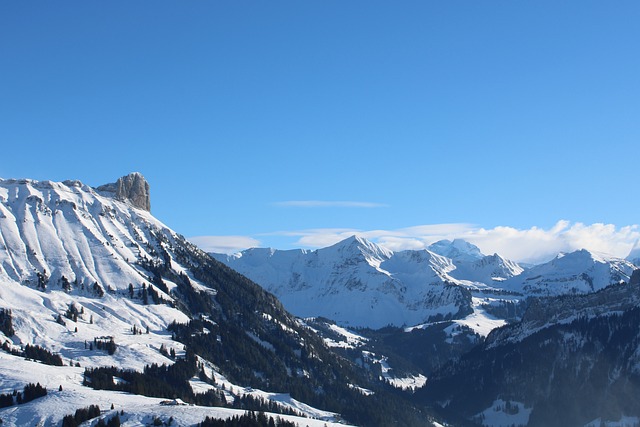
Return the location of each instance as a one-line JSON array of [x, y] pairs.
[[373, 117]]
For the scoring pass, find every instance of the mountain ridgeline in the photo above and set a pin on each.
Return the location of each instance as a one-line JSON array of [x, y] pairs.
[[101, 301], [360, 284], [68, 249], [553, 344]]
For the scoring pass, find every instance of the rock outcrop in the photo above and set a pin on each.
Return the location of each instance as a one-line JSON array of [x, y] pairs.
[[133, 189]]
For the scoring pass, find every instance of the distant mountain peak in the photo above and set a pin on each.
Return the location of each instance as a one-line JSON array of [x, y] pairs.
[[360, 246], [132, 188], [583, 255], [457, 250]]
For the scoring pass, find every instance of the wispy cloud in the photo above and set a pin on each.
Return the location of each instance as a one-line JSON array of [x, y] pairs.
[[525, 245], [328, 204], [224, 244]]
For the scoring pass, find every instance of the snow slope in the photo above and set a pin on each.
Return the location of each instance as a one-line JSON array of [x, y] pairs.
[[68, 229], [138, 410]]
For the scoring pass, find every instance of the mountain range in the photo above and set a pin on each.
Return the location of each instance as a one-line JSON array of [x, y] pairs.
[[109, 316], [102, 304], [360, 284]]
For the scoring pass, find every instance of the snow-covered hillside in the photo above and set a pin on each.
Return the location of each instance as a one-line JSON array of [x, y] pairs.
[[88, 276]]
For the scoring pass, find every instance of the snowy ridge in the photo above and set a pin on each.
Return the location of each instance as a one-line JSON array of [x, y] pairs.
[[580, 271], [358, 283], [67, 229], [75, 266]]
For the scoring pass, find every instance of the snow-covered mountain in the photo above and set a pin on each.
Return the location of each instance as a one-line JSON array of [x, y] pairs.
[[53, 233], [358, 283], [457, 250], [89, 278], [576, 272]]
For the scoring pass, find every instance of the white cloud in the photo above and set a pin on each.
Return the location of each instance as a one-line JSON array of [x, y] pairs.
[[536, 244], [224, 244], [328, 204], [531, 245]]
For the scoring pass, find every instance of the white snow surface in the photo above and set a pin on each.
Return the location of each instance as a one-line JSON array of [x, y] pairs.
[[67, 229], [350, 339], [504, 414], [138, 410]]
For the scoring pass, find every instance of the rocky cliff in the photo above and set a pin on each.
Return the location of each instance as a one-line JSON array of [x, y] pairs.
[[132, 188]]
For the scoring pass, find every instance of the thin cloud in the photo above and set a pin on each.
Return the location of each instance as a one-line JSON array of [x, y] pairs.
[[224, 244], [329, 204]]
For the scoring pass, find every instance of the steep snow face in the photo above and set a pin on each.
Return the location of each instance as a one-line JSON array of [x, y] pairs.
[[63, 245], [356, 283], [53, 232], [414, 268], [487, 269], [472, 265], [358, 249], [580, 271]]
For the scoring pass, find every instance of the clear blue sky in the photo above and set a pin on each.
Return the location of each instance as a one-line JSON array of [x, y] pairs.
[[497, 113]]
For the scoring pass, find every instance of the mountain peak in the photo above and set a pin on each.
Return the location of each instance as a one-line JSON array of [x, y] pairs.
[[132, 188], [357, 247], [458, 249], [583, 255]]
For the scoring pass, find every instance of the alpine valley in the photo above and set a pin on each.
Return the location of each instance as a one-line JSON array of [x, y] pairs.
[[108, 317]]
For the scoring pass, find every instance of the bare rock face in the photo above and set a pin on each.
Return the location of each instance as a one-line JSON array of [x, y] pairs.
[[133, 189]]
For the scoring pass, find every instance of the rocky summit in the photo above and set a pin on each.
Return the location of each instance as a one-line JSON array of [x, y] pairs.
[[132, 188]]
